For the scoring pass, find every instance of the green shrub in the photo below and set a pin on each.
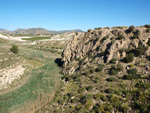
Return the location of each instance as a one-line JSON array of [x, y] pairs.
[[148, 30], [121, 50], [132, 71], [131, 28], [76, 33], [106, 28], [14, 49], [89, 88], [104, 38], [113, 61], [129, 57], [96, 96], [134, 37], [99, 28], [120, 37], [119, 67], [82, 90], [99, 68], [103, 53], [113, 71], [109, 90], [111, 79], [147, 26], [89, 30], [131, 76], [103, 97], [141, 85], [140, 50]]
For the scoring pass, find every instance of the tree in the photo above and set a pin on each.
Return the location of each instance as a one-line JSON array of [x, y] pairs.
[[14, 49]]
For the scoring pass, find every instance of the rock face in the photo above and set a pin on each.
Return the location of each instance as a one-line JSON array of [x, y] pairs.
[[100, 46]]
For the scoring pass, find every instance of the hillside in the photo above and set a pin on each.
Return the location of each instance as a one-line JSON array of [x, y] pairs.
[[105, 70], [36, 31], [101, 46]]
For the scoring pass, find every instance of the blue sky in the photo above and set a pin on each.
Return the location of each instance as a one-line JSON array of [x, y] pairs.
[[73, 14]]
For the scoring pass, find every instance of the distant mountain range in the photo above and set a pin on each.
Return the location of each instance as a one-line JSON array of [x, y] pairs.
[[36, 31]]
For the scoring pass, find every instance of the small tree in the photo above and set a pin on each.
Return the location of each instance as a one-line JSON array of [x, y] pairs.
[[14, 49]]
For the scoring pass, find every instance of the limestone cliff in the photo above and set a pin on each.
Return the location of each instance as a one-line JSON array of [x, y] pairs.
[[100, 46]]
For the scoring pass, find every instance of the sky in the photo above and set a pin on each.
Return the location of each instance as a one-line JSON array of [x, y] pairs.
[[73, 14]]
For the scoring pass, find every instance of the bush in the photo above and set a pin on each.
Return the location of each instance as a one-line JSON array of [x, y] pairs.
[[120, 37], [121, 50], [103, 53], [134, 37], [113, 71], [132, 71], [113, 61], [99, 68], [14, 49], [111, 79], [140, 50], [106, 28], [89, 30], [129, 57], [89, 88], [99, 28], [147, 26], [119, 67], [130, 77], [148, 30], [131, 28]]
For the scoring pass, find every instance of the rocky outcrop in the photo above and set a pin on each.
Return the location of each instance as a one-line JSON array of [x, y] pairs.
[[100, 46]]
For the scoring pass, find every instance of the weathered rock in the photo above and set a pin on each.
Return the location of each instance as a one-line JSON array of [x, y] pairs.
[[100, 46]]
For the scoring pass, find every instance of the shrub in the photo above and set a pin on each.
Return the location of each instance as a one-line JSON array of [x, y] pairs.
[[99, 68], [131, 65], [99, 28], [113, 61], [134, 37], [131, 28], [121, 50], [113, 71], [120, 37], [76, 33], [103, 53], [148, 30], [132, 71], [110, 90], [103, 97], [140, 50], [129, 57], [14, 49], [106, 27], [147, 26], [111, 79], [89, 88], [119, 67], [131, 76], [96, 96], [89, 30]]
